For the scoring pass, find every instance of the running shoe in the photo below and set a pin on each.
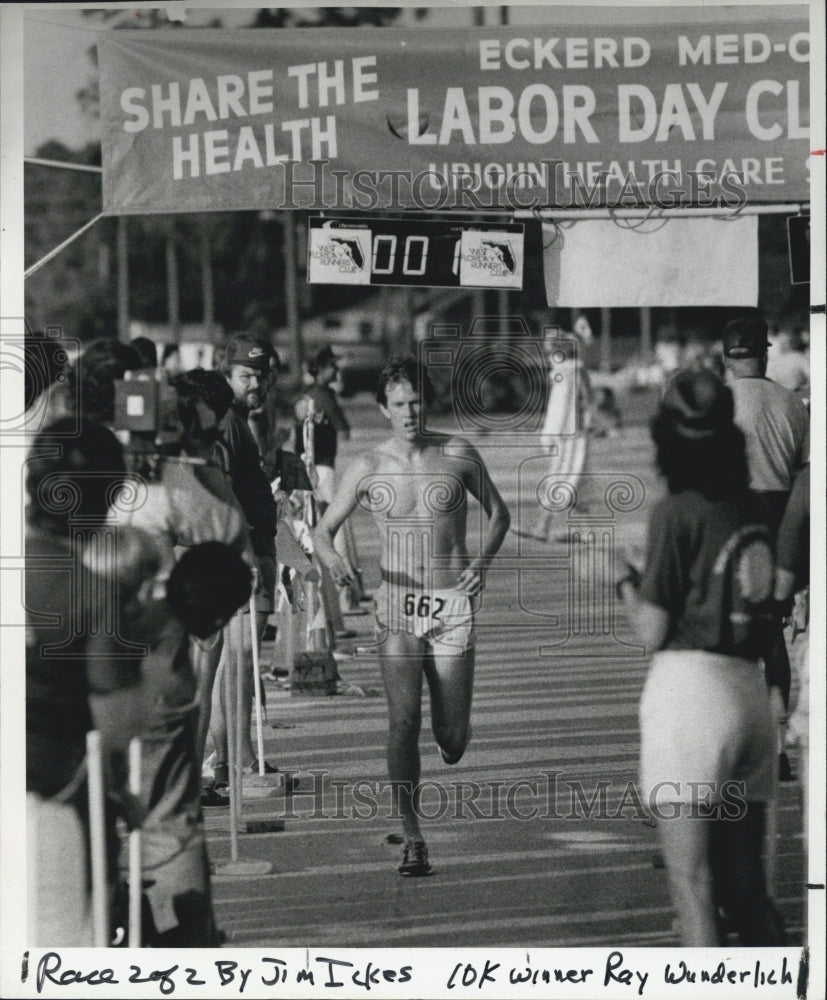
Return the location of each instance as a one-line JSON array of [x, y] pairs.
[[451, 759], [252, 768], [276, 674], [415, 859], [210, 799]]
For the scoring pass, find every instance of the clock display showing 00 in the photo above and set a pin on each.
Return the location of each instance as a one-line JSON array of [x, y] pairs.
[[414, 252]]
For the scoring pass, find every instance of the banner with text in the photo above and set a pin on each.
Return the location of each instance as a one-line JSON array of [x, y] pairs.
[[691, 114]]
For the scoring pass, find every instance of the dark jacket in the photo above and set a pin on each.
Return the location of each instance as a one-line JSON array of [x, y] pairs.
[[249, 482]]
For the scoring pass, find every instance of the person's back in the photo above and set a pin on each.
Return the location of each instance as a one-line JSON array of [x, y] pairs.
[[57, 708], [204, 588], [775, 424], [74, 471], [773, 421]]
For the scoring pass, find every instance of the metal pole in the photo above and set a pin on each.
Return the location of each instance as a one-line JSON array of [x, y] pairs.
[[135, 877], [257, 684], [61, 246], [173, 291], [207, 290], [605, 340], [97, 840], [291, 297], [239, 711], [645, 333], [656, 214], [123, 279], [230, 638], [86, 168]]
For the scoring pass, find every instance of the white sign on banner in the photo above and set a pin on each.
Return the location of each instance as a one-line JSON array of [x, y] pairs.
[[491, 260], [340, 256], [674, 262]]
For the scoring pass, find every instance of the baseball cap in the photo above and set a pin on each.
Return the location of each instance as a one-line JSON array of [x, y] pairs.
[[745, 337], [254, 352], [698, 404]]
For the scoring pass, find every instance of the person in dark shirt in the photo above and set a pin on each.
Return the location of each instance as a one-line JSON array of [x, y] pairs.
[[202, 592], [704, 607], [248, 366], [74, 472], [329, 423]]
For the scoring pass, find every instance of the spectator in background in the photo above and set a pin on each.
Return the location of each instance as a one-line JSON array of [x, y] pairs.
[[775, 425], [171, 360], [248, 366], [703, 606], [201, 593], [95, 373], [567, 424], [74, 473], [89, 385], [792, 587], [147, 351], [774, 422], [668, 351], [329, 422], [329, 419], [185, 504], [787, 364]]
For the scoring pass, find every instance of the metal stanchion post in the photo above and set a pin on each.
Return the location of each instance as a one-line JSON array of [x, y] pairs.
[[234, 663], [772, 805], [236, 771], [230, 720], [135, 877], [257, 685], [97, 837]]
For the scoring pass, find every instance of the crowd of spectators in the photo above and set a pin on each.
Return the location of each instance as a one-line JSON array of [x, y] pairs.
[[162, 532]]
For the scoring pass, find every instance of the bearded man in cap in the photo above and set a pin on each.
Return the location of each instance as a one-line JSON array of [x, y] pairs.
[[775, 425], [249, 364]]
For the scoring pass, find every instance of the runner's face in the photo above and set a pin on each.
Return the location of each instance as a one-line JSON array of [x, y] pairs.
[[249, 386], [403, 409]]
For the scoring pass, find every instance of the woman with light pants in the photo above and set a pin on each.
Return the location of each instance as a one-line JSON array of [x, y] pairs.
[[703, 605]]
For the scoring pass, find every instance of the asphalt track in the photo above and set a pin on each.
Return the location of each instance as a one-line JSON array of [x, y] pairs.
[[536, 837]]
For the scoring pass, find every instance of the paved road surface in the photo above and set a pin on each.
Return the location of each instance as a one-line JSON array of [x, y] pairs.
[[519, 857]]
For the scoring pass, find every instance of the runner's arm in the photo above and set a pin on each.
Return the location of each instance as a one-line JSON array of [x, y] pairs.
[[342, 506], [480, 486]]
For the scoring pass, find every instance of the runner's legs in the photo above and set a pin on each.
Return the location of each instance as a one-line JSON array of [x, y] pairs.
[[451, 680], [401, 657]]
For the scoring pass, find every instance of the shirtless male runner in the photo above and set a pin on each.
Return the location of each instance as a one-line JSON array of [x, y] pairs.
[[416, 486]]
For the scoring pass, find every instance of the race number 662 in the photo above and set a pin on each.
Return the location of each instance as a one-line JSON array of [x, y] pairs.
[[422, 607]]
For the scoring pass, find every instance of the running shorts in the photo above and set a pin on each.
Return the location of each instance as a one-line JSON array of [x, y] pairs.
[[705, 722], [443, 618]]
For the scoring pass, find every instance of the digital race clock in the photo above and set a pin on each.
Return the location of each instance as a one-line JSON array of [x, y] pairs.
[[415, 252]]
